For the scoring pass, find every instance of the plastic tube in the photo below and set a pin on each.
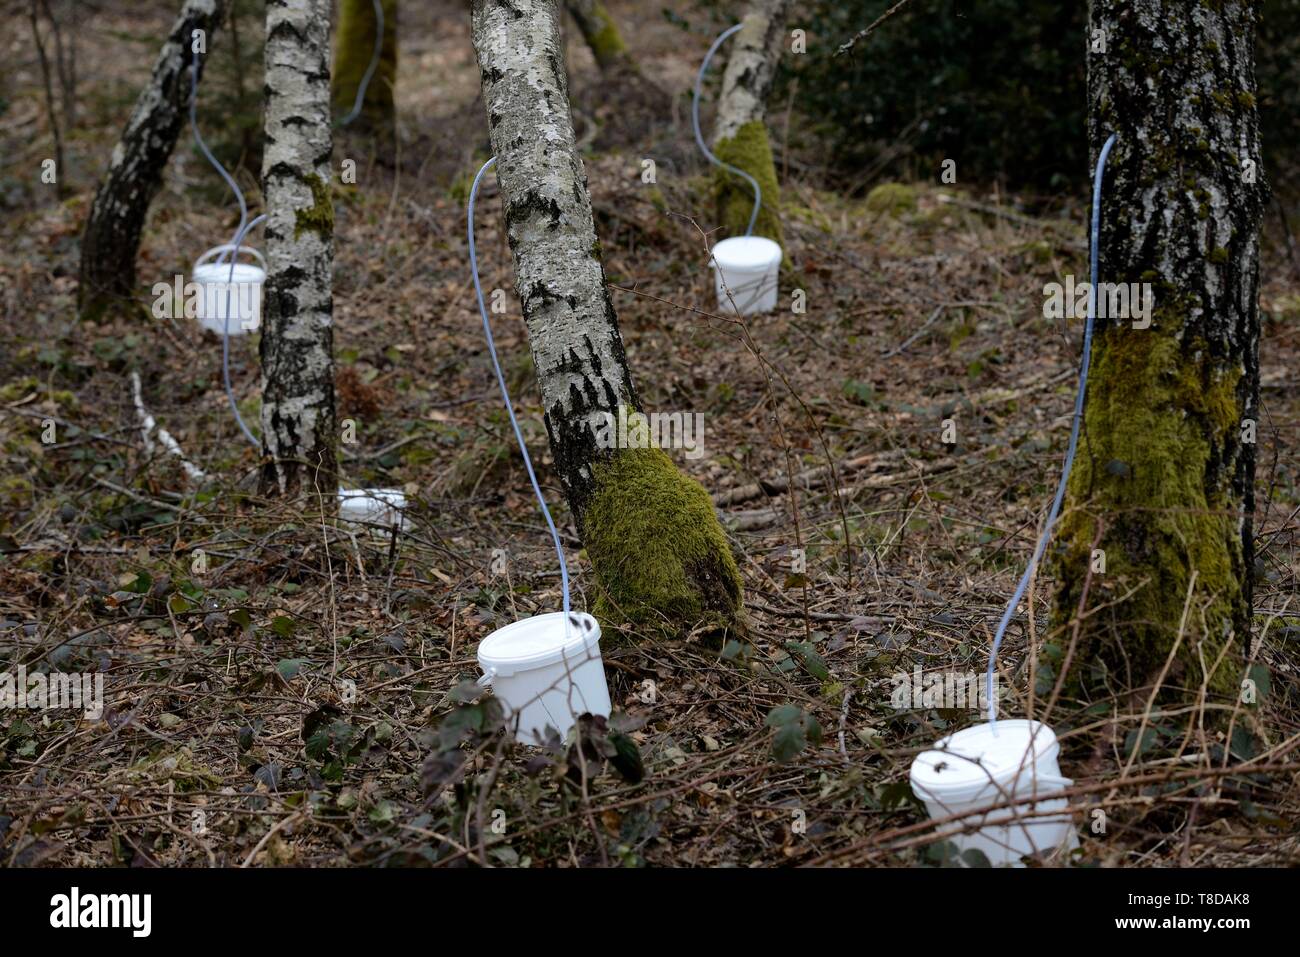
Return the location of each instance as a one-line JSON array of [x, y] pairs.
[[1074, 434], [370, 70], [699, 137], [225, 337], [505, 392], [240, 233], [203, 147]]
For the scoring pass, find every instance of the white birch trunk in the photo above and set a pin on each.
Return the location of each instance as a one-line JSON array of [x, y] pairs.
[[651, 533], [740, 131], [298, 431]]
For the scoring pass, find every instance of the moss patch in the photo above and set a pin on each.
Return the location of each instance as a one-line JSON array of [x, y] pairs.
[[319, 217], [1158, 418], [606, 43], [659, 553], [891, 199], [751, 151], [354, 47]]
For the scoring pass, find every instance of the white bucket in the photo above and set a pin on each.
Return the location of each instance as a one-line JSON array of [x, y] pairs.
[[373, 506], [747, 267], [243, 289], [976, 768], [546, 674]]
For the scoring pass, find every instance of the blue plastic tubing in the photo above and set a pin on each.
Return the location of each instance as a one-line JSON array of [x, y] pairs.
[[699, 137], [505, 392], [1074, 435]]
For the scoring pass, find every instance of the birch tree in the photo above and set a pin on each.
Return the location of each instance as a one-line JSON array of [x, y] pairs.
[[298, 432], [354, 52], [602, 35], [653, 538], [1163, 485], [740, 129], [117, 215]]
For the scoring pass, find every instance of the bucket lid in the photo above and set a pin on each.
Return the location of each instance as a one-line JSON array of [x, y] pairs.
[[220, 272], [539, 641], [746, 252], [963, 764], [388, 496]]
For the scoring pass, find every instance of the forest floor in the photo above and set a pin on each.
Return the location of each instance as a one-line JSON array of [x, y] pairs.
[[277, 700]]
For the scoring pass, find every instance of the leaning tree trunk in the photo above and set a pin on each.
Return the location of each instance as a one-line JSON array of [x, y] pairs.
[[655, 543], [112, 235], [740, 130], [1166, 466], [354, 51], [602, 36], [298, 432]]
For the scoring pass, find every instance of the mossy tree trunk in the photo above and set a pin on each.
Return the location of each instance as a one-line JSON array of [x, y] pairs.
[[354, 51], [740, 130], [112, 235], [655, 543], [602, 36], [298, 433], [1166, 464]]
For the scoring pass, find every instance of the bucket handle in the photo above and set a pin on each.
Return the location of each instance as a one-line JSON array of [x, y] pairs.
[[228, 248], [486, 678]]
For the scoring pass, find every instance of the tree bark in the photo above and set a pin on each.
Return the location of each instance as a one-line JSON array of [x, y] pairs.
[[740, 129], [298, 431], [112, 235], [602, 36], [654, 541], [354, 50], [1166, 464]]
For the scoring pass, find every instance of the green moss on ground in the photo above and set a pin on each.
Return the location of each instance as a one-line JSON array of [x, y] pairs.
[[658, 550], [751, 151], [891, 199], [319, 216], [1157, 418]]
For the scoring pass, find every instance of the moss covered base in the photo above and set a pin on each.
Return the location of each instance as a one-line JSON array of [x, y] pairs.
[[659, 553], [749, 150], [1150, 467]]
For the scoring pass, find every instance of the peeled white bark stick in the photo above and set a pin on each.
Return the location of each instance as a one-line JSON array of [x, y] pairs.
[[147, 426]]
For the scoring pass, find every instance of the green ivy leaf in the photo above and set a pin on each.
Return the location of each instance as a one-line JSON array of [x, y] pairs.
[[290, 668], [795, 729]]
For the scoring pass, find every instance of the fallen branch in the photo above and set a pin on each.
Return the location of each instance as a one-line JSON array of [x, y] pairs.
[[863, 34], [806, 479], [147, 427]]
